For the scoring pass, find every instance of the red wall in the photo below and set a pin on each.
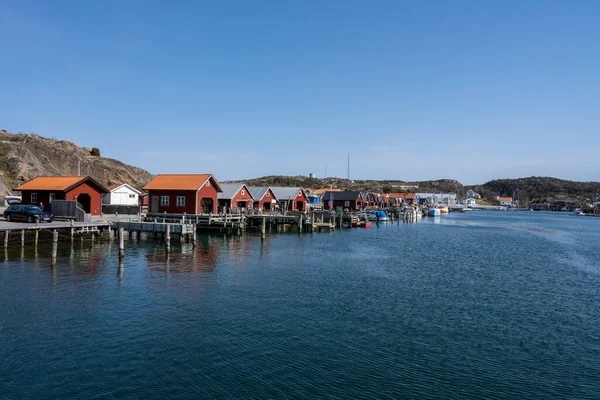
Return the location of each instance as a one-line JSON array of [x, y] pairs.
[[208, 192], [95, 196], [260, 204], [190, 201], [42, 197], [247, 197], [301, 197]]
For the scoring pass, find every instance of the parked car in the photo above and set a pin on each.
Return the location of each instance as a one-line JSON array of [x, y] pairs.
[[27, 214], [10, 200]]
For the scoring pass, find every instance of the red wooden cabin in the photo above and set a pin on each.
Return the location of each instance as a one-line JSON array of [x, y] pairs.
[[183, 193], [83, 189]]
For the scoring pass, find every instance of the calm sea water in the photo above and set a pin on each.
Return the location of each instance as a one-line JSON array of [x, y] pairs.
[[481, 305]]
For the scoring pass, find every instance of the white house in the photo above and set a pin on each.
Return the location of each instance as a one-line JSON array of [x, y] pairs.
[[473, 194], [505, 201], [123, 195], [470, 202]]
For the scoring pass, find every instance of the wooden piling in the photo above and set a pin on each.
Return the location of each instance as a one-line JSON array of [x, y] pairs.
[[37, 234], [6, 235], [22, 237], [300, 224], [121, 243], [54, 247], [168, 238], [194, 237], [263, 228]]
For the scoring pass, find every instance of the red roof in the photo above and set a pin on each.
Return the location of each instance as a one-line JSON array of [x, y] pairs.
[[57, 183]]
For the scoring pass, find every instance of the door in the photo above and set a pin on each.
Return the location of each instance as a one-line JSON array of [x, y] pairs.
[[154, 204]]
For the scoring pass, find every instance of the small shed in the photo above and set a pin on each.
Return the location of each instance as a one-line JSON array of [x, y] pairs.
[[234, 196], [83, 189], [290, 198], [264, 198], [122, 195]]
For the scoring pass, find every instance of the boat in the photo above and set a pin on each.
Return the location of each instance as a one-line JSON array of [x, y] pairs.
[[362, 224], [443, 210], [377, 215], [434, 212]]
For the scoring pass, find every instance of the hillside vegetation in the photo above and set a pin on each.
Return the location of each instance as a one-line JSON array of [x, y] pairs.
[[541, 190], [25, 156], [387, 186]]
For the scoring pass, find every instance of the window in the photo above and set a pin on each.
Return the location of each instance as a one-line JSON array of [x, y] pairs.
[[132, 196], [346, 203], [164, 200], [33, 198], [243, 192], [51, 197], [268, 194], [180, 201], [207, 183]]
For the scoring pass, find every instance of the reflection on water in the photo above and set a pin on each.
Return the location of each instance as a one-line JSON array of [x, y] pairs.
[[484, 305]]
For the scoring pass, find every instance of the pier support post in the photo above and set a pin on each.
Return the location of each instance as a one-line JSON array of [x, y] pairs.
[[263, 228], [194, 237], [37, 234], [6, 234], [22, 237], [54, 247], [300, 224], [168, 238], [121, 243]]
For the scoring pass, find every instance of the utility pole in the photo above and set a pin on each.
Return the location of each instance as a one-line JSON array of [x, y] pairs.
[[348, 167]]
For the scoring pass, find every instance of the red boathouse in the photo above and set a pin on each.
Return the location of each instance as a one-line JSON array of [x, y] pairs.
[[83, 189], [183, 193]]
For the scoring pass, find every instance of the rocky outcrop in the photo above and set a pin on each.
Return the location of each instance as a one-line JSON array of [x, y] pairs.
[[25, 156]]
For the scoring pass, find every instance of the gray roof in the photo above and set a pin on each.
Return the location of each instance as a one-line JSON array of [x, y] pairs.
[[286, 193], [345, 195], [229, 190], [258, 192]]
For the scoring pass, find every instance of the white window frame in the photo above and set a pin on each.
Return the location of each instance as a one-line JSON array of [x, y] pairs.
[[243, 192], [207, 183], [164, 201], [32, 197], [132, 196], [347, 203], [268, 194], [180, 201], [51, 197]]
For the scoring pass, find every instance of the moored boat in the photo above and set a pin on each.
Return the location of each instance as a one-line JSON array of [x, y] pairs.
[[434, 212], [377, 215]]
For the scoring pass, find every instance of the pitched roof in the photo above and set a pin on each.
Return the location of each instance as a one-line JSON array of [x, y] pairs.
[[347, 195], [285, 193], [323, 190], [258, 192], [403, 195], [58, 183], [180, 182], [112, 188], [505, 198], [230, 190]]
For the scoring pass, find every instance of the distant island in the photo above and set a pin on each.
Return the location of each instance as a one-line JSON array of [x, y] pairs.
[[25, 156]]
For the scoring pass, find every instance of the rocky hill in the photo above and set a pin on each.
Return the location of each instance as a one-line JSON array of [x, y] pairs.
[[541, 190], [386, 186], [25, 156]]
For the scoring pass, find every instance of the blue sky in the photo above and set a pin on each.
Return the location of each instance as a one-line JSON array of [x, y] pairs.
[[413, 90]]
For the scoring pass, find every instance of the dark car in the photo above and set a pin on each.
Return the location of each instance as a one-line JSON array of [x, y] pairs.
[[27, 214]]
